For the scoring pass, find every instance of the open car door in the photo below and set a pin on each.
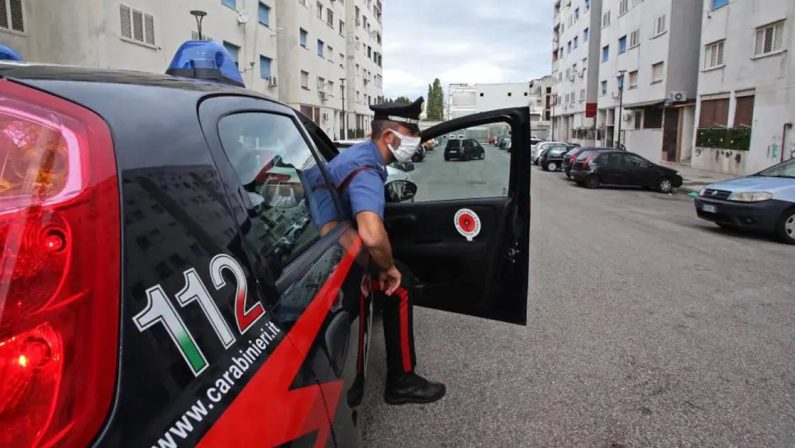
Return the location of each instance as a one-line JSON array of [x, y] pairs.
[[466, 233]]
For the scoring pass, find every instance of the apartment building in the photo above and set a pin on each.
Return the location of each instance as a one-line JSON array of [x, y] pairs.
[[365, 63], [467, 99], [294, 51], [648, 76], [575, 68], [746, 86]]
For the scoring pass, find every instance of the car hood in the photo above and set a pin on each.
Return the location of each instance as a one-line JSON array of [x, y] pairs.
[[781, 187]]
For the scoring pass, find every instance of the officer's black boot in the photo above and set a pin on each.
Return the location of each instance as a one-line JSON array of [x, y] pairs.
[[412, 388]]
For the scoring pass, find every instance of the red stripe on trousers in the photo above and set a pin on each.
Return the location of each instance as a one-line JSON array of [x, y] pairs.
[[404, 328]]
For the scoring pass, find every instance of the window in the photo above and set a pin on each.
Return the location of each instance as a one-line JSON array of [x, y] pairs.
[[321, 84], [582, 94], [714, 113], [331, 88], [11, 16], [135, 25], [605, 53], [568, 47], [622, 44], [330, 53], [574, 44], [265, 67], [634, 39], [604, 87], [769, 38], [713, 55], [657, 72], [638, 119], [303, 37], [342, 27], [576, 13], [302, 2], [233, 50], [659, 26], [652, 118], [330, 18], [585, 35], [587, 4], [319, 8], [633, 79], [623, 7], [606, 19], [264, 14], [230, 3], [744, 112], [272, 162], [304, 80], [719, 3]]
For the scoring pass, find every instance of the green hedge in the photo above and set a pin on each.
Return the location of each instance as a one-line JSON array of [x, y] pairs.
[[732, 138]]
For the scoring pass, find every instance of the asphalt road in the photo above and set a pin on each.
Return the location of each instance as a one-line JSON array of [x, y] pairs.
[[646, 328]]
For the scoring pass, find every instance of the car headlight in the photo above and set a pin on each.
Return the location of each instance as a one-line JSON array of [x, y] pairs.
[[701, 193], [751, 196]]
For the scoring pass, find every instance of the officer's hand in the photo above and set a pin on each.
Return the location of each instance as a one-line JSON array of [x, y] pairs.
[[390, 279]]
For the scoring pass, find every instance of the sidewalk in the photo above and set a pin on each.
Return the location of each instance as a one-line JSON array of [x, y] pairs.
[[694, 179]]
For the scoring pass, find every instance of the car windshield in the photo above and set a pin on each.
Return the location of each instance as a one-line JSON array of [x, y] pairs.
[[786, 169]]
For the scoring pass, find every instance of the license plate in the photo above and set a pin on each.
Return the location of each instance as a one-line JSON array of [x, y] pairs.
[[710, 208]]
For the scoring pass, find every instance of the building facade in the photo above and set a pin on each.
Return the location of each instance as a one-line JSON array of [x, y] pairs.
[[365, 75], [746, 86], [648, 76], [294, 51], [467, 99], [575, 68]]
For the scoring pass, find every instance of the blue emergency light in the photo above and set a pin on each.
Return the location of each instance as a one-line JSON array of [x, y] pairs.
[[205, 59], [7, 54]]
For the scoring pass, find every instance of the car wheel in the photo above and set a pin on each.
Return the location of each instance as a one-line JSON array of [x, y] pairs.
[[483, 155], [664, 185], [786, 227], [592, 181], [568, 174], [552, 166], [446, 159]]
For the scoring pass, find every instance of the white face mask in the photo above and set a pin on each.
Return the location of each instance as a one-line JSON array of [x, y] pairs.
[[408, 146]]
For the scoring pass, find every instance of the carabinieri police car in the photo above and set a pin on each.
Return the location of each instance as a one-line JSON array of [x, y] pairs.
[[162, 283]]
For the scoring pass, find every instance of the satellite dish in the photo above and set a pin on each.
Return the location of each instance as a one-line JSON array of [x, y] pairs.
[[242, 17]]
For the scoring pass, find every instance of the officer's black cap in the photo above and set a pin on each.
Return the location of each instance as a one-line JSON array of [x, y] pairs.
[[406, 114]]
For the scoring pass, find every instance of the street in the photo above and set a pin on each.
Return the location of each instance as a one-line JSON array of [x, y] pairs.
[[646, 327]]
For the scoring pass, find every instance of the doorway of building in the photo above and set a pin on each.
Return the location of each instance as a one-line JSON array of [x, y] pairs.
[[670, 134]]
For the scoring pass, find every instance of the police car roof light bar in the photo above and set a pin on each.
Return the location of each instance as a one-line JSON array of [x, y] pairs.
[[205, 59], [7, 54]]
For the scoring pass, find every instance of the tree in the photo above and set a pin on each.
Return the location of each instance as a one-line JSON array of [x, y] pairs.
[[435, 101], [402, 100]]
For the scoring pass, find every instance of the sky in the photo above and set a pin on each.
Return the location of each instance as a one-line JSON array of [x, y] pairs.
[[472, 41]]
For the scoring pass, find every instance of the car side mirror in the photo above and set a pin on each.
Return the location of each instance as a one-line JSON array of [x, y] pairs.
[[400, 191]]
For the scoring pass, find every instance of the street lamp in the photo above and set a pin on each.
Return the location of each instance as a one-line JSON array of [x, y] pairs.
[[620, 79], [199, 16]]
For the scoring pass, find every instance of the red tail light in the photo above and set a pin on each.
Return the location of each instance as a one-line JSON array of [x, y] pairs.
[[59, 271]]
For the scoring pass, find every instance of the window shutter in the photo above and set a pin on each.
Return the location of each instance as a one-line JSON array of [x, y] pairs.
[[16, 15], [149, 23], [720, 53], [126, 26], [744, 113], [3, 15], [759, 47], [138, 25], [778, 38]]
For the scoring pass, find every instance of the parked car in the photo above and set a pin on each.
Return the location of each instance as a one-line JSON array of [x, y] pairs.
[[534, 141], [536, 150], [616, 167], [169, 287], [464, 149], [419, 154], [504, 142], [551, 157], [571, 156], [763, 202]]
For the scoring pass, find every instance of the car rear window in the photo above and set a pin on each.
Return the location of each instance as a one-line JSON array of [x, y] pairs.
[[453, 142], [584, 155]]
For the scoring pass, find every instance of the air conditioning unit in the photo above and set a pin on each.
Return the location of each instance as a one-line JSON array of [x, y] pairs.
[[322, 96], [581, 74], [616, 95], [627, 116], [325, 116], [677, 97], [571, 77], [272, 82]]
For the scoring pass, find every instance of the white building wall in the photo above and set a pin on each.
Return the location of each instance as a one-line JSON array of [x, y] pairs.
[[88, 33], [770, 78], [364, 73]]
